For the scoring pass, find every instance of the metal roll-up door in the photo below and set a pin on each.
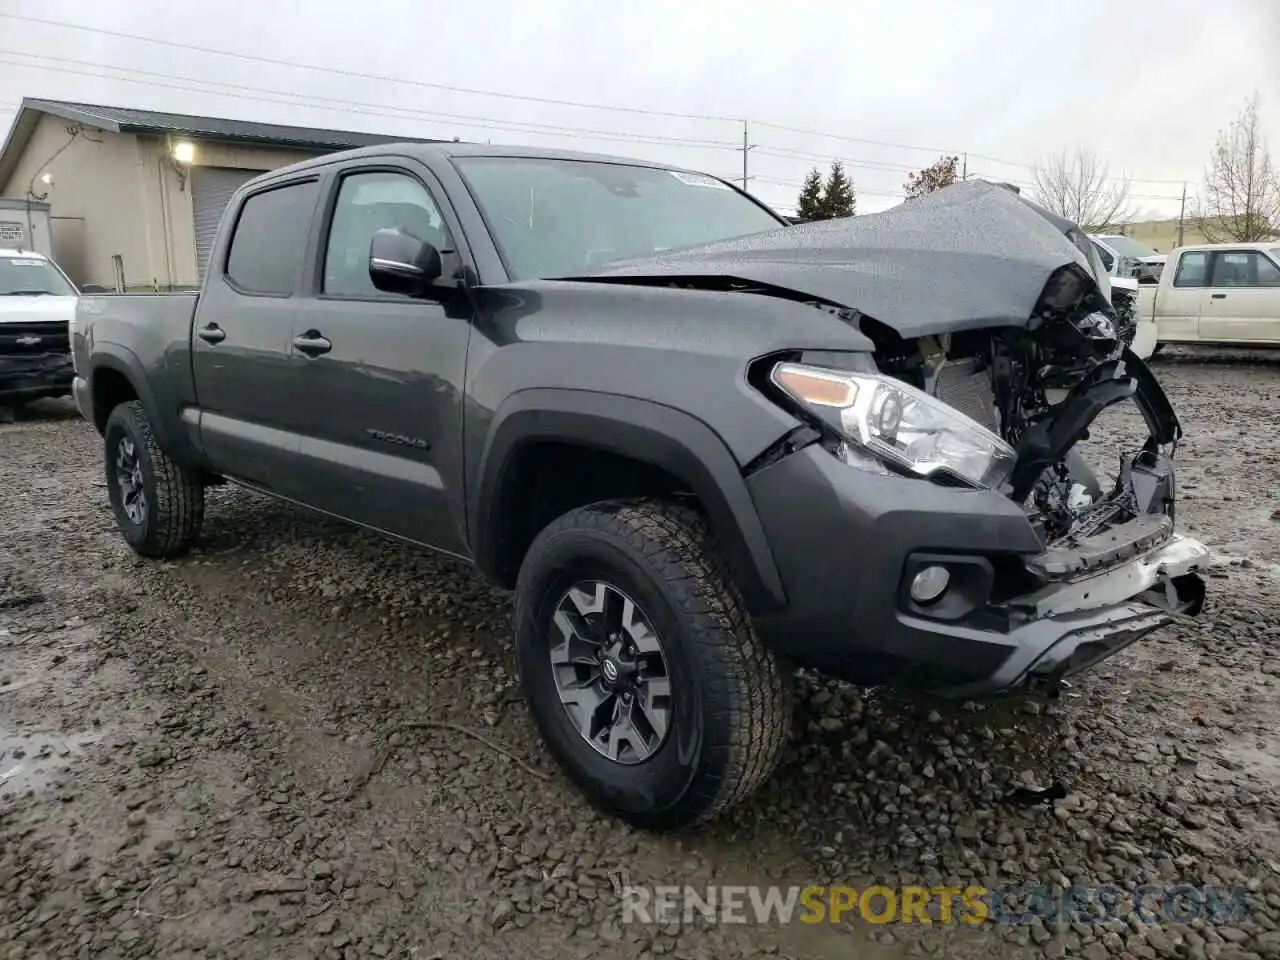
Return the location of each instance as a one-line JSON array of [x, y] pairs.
[[211, 189]]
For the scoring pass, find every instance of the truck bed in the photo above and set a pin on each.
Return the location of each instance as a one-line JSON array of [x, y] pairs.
[[144, 333]]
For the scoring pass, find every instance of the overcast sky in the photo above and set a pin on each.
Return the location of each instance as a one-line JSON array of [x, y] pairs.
[[1144, 83]]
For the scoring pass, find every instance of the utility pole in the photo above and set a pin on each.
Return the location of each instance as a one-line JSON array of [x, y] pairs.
[[964, 175], [1182, 210], [745, 149]]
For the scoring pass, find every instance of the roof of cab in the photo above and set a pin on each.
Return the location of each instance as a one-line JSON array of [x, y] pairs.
[[450, 151], [24, 254], [1243, 245]]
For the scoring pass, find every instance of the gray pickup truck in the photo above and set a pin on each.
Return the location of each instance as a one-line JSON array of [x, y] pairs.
[[700, 444]]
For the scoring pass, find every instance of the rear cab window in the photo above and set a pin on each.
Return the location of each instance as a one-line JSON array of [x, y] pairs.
[[269, 244]]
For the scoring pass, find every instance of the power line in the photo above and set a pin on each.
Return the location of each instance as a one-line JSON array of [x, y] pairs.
[[786, 153], [359, 75], [359, 107], [834, 136], [356, 74], [779, 181]]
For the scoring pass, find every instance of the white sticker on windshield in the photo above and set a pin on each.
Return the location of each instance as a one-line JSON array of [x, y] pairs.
[[26, 263], [698, 180]]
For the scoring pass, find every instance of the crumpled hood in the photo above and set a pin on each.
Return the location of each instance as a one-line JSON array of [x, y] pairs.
[[46, 309], [969, 256]]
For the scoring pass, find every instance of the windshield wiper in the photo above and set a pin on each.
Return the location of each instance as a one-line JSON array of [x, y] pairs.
[[27, 293]]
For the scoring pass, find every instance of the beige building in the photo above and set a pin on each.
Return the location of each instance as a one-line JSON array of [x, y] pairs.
[[130, 199], [1163, 234]]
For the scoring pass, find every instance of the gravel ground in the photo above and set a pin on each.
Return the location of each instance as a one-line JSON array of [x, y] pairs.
[[191, 752]]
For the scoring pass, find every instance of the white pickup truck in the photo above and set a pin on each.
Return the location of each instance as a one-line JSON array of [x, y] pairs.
[[1226, 293]]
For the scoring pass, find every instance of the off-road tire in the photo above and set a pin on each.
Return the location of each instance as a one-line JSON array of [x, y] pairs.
[[730, 693], [175, 494]]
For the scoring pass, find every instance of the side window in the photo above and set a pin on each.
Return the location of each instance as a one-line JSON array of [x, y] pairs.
[[367, 203], [1192, 268], [271, 239], [1104, 254], [1244, 268]]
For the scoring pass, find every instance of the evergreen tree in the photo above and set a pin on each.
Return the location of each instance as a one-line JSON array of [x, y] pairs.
[[837, 197], [809, 206]]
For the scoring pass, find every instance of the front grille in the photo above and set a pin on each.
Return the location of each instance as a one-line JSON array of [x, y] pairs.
[[965, 385], [25, 337]]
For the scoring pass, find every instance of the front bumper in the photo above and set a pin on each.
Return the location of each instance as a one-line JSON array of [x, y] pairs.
[[82, 396], [842, 539], [30, 376]]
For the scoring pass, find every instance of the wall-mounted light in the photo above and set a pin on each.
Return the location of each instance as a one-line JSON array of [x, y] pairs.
[[182, 153], [45, 179]]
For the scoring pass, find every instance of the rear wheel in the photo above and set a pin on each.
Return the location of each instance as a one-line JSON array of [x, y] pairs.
[[641, 667], [158, 504]]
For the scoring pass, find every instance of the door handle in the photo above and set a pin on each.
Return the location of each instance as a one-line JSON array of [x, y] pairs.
[[1217, 296], [212, 333], [312, 344]]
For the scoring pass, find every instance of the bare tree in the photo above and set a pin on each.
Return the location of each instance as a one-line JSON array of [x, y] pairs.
[[1077, 186], [1241, 198]]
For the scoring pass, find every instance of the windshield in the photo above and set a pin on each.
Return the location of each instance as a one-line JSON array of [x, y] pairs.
[[1128, 247], [559, 218], [31, 276]]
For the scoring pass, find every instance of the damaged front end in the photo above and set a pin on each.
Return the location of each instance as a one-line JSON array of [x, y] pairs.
[[1112, 569], [35, 361], [1004, 557]]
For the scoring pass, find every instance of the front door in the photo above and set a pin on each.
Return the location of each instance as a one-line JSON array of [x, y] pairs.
[[380, 395], [1178, 305], [1243, 299], [243, 362]]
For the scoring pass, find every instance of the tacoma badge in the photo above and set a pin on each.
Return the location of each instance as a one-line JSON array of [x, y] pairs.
[[398, 438]]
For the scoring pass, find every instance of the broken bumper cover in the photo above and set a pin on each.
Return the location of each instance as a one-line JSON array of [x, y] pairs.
[[845, 542], [1075, 624], [33, 376]]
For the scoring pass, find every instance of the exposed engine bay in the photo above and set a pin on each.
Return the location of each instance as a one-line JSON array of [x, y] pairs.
[[1040, 388]]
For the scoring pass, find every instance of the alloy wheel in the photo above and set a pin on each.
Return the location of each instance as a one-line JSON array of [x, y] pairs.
[[133, 496], [610, 672]]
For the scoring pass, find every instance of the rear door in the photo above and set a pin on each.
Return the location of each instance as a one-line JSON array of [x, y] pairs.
[[1243, 299], [242, 354], [1178, 304], [380, 400]]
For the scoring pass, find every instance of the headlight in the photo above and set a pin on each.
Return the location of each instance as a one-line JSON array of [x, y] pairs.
[[898, 423]]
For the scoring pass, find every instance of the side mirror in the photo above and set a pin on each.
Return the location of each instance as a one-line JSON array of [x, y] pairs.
[[1149, 273], [399, 262], [93, 288]]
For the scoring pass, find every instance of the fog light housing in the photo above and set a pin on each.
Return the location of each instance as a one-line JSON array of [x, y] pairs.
[[930, 584]]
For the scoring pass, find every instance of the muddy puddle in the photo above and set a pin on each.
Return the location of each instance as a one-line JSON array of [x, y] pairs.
[[41, 674], [32, 761]]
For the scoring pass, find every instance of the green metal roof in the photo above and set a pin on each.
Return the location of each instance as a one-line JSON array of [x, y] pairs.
[[155, 123]]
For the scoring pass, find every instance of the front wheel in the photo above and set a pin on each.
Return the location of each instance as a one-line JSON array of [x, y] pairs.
[[158, 504], [641, 667]]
